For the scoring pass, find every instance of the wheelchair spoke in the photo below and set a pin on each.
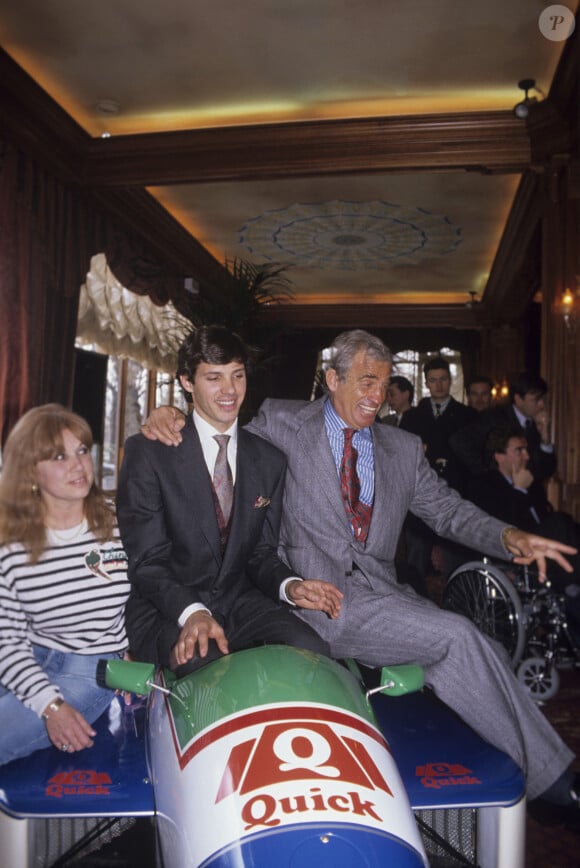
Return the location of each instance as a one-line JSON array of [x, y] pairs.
[[476, 592]]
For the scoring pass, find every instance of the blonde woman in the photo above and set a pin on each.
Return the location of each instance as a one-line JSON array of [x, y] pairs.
[[63, 586]]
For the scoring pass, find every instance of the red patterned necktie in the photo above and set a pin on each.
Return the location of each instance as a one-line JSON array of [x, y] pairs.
[[222, 477], [359, 513]]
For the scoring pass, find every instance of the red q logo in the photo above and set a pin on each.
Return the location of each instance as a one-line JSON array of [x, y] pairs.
[[297, 752]]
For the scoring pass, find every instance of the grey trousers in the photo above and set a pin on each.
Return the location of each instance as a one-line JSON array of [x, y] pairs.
[[468, 671]]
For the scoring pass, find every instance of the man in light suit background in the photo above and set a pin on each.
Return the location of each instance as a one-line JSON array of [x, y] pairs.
[[347, 535], [201, 531]]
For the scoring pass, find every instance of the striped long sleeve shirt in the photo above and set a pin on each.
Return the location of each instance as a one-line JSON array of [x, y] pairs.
[[72, 600]]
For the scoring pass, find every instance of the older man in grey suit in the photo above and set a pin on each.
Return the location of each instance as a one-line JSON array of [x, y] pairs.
[[349, 485]]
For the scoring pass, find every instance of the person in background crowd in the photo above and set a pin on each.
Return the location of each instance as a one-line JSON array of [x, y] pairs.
[[478, 391], [435, 420], [63, 586], [528, 411], [400, 393], [508, 491]]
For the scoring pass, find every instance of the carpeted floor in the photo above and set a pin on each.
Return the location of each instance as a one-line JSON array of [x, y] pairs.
[[548, 847], [556, 847]]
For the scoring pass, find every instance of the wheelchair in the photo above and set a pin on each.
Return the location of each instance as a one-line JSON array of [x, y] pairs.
[[526, 617]]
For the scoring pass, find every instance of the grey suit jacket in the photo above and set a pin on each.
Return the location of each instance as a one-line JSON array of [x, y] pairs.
[[316, 538]]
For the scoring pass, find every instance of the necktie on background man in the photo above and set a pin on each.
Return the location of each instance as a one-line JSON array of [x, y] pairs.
[[358, 513], [437, 411], [222, 477]]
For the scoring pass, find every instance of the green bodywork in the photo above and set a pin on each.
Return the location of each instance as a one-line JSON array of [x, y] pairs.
[[264, 676]]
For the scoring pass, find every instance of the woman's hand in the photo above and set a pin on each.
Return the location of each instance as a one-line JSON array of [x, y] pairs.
[[67, 728]]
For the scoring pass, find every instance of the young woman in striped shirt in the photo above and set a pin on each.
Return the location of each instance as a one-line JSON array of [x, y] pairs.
[[63, 586]]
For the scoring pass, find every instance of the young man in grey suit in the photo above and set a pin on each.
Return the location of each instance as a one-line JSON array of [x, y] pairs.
[[349, 539], [201, 530]]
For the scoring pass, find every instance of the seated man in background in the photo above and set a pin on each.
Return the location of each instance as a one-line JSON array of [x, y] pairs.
[[200, 525], [349, 485], [527, 411], [509, 491]]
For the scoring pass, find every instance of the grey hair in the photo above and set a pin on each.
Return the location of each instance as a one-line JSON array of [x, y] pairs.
[[345, 347]]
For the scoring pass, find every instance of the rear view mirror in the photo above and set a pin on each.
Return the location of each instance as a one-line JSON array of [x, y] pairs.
[[126, 675], [399, 680]]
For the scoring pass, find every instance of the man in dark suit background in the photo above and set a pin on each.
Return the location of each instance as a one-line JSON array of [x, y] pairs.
[[200, 525], [400, 393], [437, 418], [508, 491], [527, 411], [478, 392]]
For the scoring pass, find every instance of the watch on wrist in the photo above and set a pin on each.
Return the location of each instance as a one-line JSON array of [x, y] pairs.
[[504, 535], [53, 707]]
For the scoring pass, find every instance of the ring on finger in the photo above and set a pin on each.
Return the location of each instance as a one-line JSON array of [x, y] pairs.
[[65, 747]]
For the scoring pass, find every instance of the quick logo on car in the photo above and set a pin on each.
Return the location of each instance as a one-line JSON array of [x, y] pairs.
[[438, 775]]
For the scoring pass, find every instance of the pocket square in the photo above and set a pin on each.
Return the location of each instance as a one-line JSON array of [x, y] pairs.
[[261, 501]]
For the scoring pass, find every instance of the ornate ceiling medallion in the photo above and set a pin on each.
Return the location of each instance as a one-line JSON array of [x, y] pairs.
[[349, 236]]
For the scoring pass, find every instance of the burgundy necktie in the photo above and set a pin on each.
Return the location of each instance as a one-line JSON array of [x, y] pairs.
[[358, 513]]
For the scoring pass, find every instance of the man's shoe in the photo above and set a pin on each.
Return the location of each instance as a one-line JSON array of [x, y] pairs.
[[550, 813]]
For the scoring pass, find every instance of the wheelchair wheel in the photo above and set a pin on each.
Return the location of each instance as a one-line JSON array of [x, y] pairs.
[[486, 596], [541, 680]]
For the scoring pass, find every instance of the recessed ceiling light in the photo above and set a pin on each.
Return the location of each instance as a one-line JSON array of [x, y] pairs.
[[108, 107]]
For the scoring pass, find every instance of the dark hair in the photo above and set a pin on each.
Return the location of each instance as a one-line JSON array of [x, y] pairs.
[[403, 385], [347, 344], [479, 379], [214, 345], [437, 363], [497, 441], [526, 383]]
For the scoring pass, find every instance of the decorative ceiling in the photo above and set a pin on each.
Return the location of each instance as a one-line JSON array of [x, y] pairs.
[[421, 230]]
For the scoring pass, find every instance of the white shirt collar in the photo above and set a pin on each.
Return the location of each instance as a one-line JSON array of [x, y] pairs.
[[209, 446], [520, 416]]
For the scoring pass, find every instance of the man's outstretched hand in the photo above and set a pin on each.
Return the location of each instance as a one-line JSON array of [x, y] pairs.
[[528, 547]]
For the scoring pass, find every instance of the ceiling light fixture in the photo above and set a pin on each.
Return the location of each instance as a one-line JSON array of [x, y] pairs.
[[108, 107], [522, 109]]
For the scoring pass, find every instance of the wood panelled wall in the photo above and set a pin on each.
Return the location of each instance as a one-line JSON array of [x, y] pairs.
[[561, 340]]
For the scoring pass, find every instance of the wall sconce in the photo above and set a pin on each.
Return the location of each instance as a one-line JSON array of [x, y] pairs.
[[500, 391], [567, 307], [522, 109]]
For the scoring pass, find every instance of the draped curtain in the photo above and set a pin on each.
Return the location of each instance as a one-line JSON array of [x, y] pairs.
[[48, 233]]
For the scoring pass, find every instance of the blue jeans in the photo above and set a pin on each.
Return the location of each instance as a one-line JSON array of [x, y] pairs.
[[21, 730]]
